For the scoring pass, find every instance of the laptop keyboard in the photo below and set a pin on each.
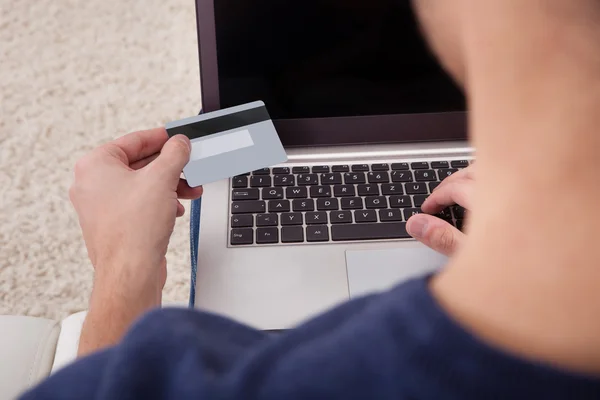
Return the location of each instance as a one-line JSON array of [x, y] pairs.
[[334, 203]]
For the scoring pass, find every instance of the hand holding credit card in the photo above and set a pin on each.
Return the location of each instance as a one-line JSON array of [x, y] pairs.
[[229, 142]]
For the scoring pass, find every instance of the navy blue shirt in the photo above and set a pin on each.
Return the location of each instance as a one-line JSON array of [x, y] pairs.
[[396, 345]]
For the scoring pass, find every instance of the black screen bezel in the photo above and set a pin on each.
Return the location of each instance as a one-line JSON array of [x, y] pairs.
[[399, 128]]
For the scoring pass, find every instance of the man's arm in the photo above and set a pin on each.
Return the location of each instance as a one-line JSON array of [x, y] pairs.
[[126, 196], [114, 305]]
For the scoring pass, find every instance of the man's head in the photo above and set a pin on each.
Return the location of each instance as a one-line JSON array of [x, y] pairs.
[[452, 27], [441, 24]]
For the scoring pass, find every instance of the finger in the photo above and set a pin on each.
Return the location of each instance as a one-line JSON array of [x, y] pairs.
[[459, 192], [184, 191], [466, 173], [174, 155], [139, 145], [180, 209], [143, 162], [435, 233], [111, 150]]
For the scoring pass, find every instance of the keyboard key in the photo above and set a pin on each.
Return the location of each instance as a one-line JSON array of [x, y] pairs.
[[244, 194], [281, 171], [444, 173], [308, 179], [459, 212], [459, 225], [316, 218], [267, 235], [267, 220], [284, 180], [368, 190], [242, 221], [425, 175], [439, 164], [352, 177], [378, 177], [351, 203], [362, 216], [409, 212], [344, 191], [400, 202], [416, 188], [375, 202], [402, 176], [292, 234], [360, 168], [303, 205], [300, 170], [273, 193], [420, 165], [279, 206], [262, 171], [341, 217], [296, 193], [291, 219], [389, 189], [445, 214], [319, 169], [419, 199], [239, 182], [340, 168], [459, 164], [320, 191], [390, 230], [260, 181], [390, 215], [380, 167], [248, 207], [331, 179], [317, 233], [242, 236], [327, 204], [433, 185], [400, 166]]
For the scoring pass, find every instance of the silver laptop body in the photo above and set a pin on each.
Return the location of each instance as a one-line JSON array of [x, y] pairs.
[[348, 90]]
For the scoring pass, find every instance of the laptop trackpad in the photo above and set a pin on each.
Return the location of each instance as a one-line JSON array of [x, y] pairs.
[[378, 270]]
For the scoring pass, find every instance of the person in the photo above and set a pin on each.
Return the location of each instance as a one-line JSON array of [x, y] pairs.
[[514, 315]]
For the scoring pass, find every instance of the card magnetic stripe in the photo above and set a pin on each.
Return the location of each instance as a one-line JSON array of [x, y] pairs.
[[198, 129]]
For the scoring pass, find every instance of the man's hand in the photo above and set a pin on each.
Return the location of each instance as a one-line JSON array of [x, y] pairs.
[[126, 196], [434, 232]]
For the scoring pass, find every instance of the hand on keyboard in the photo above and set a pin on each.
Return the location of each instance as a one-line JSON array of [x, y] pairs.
[[337, 203], [433, 230]]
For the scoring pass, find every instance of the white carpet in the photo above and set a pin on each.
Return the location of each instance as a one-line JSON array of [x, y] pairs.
[[74, 74]]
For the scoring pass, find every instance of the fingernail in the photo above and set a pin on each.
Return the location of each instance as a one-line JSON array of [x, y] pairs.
[[417, 227], [185, 140]]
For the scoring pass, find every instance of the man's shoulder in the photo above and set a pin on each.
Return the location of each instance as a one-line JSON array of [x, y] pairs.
[[193, 354], [188, 324]]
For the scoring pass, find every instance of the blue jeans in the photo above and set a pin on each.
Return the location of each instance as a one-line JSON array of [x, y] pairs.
[[194, 235]]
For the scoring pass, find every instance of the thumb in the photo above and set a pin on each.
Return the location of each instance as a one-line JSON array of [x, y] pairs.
[[435, 233], [174, 155]]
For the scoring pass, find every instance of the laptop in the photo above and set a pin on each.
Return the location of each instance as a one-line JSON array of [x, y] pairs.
[[371, 124]]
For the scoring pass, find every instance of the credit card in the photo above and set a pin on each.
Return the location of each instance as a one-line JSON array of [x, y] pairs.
[[229, 142]]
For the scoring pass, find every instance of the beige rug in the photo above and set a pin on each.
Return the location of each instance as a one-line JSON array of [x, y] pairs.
[[74, 74]]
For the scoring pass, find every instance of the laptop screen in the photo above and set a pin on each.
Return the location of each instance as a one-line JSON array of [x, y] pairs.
[[329, 59]]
